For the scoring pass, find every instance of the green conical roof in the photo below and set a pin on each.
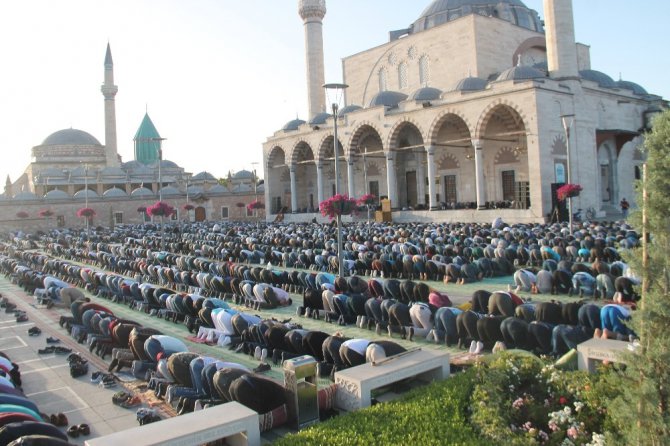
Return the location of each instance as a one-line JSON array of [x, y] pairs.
[[147, 142]]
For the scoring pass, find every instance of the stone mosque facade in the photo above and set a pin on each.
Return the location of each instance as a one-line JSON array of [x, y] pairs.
[[477, 110], [72, 169]]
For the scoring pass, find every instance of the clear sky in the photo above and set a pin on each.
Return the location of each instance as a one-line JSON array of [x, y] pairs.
[[219, 76]]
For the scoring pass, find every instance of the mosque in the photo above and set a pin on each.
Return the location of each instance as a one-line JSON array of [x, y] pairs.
[[72, 169], [478, 109]]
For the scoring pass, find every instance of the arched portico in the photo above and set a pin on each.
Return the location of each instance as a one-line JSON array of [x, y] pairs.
[[366, 155], [306, 191], [501, 159], [326, 163], [278, 188], [406, 169]]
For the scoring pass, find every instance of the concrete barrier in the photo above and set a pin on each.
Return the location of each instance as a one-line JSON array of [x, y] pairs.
[[355, 385], [598, 350], [232, 421]]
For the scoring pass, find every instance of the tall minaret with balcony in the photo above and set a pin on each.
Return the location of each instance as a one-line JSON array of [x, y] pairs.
[[312, 13], [109, 91], [560, 35]]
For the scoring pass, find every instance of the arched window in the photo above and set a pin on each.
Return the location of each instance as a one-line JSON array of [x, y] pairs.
[[424, 72], [402, 75], [382, 79]]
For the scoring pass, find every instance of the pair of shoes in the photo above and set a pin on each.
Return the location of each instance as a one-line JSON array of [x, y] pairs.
[[107, 381], [78, 369], [81, 429], [257, 352], [34, 331], [21, 317], [263, 367], [120, 397], [131, 402], [61, 350], [51, 340], [479, 348], [9, 307], [47, 350], [73, 357], [59, 420]]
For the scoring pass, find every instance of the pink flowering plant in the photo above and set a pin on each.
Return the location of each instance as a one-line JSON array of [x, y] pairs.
[[160, 209], [521, 399], [256, 204], [86, 213], [46, 213], [366, 200], [188, 207], [568, 190], [337, 205]]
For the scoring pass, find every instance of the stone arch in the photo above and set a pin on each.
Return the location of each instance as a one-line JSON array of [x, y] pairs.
[[443, 117], [392, 139], [532, 42], [302, 160], [301, 151], [276, 157], [506, 155], [559, 146], [325, 147], [447, 161], [360, 132], [516, 119]]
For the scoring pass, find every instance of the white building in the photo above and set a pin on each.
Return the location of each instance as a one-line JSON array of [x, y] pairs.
[[471, 109]]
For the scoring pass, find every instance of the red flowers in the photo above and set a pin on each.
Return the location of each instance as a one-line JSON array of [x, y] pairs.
[[366, 200], [337, 205], [46, 213], [563, 400], [256, 204], [188, 207], [160, 209], [86, 212], [568, 190]]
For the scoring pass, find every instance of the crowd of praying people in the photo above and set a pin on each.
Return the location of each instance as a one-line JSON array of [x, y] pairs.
[[219, 280]]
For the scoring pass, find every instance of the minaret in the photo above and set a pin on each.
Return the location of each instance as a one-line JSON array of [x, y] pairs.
[[560, 35], [109, 92], [312, 13]]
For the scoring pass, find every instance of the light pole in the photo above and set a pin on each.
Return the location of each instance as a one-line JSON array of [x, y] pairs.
[[253, 167], [365, 178], [337, 89], [88, 231], [567, 121], [160, 161]]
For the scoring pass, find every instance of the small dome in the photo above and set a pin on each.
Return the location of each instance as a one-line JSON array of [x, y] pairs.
[[243, 175], [167, 164], [520, 73], [25, 195], [81, 171], [319, 119], [141, 192], [71, 137], [426, 94], [603, 80], [114, 192], [293, 125], [82, 194], [133, 164], [635, 88], [57, 194], [170, 191], [203, 176], [387, 99], [348, 109], [471, 83]]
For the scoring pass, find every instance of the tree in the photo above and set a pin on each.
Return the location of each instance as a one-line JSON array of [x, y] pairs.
[[642, 411]]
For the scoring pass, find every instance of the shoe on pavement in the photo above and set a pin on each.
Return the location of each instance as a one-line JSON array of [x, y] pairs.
[[51, 340], [262, 368]]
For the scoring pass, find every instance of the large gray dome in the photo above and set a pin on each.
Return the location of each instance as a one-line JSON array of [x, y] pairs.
[[443, 11], [71, 137]]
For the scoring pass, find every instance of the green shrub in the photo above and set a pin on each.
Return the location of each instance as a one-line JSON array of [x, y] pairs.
[[431, 415]]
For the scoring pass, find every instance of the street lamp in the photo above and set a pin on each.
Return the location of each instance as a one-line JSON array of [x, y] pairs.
[[338, 89], [567, 121], [160, 159], [88, 231]]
